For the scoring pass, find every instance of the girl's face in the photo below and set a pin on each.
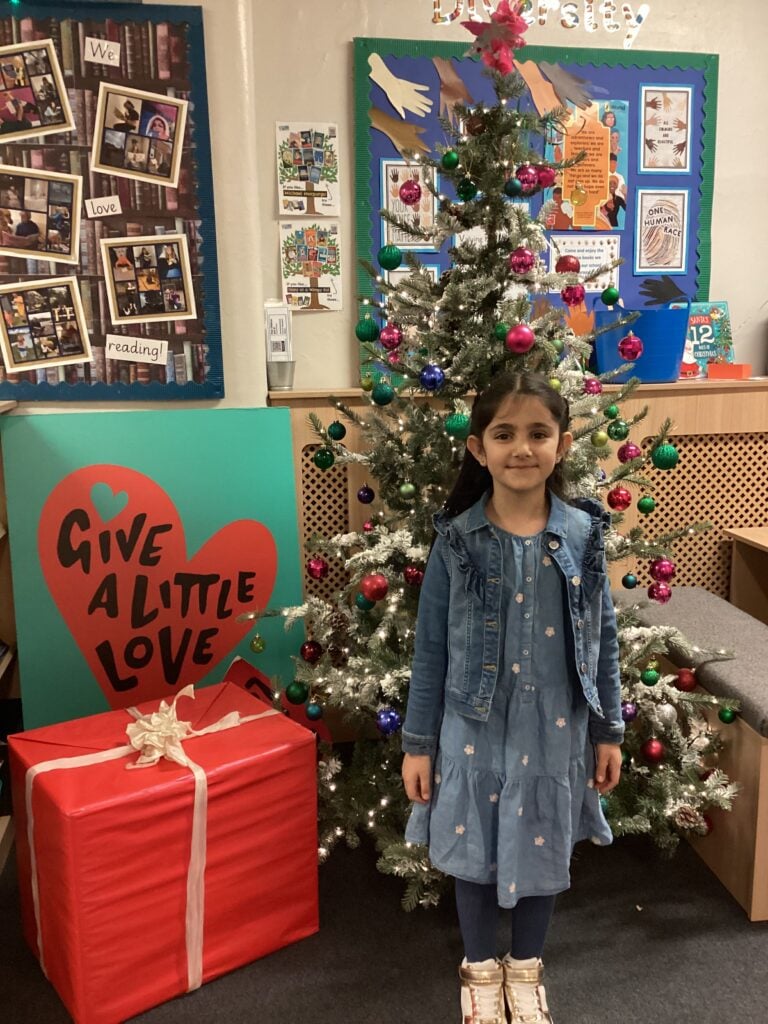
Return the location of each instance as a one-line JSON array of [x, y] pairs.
[[521, 445]]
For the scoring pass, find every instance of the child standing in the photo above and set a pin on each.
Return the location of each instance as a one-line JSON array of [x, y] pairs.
[[514, 723]]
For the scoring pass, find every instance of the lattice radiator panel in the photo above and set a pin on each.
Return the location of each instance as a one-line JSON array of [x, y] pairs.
[[325, 511]]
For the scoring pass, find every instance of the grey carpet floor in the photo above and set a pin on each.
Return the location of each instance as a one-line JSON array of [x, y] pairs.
[[638, 940]]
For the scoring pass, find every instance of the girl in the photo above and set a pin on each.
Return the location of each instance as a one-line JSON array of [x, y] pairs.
[[514, 723]]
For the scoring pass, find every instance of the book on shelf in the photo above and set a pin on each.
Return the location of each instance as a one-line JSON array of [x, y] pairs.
[[709, 338]]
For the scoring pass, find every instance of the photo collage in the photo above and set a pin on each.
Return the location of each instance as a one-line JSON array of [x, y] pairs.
[[148, 278], [43, 321], [32, 93], [39, 214]]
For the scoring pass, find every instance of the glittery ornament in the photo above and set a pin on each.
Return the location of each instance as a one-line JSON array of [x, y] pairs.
[[653, 751], [500, 331], [617, 430], [410, 192], [610, 296], [619, 498], [413, 575], [629, 451], [611, 412], [521, 260], [366, 495], [579, 196], [382, 393], [546, 176], [466, 190], [457, 425], [665, 456], [520, 339], [393, 358], [660, 592], [646, 504], [374, 586], [630, 348], [513, 188], [593, 386], [257, 644], [367, 329], [599, 438], [573, 294], [628, 710], [388, 721], [337, 431], [687, 817], [314, 711], [389, 257], [323, 458], [407, 491], [649, 677], [662, 569], [567, 265], [629, 581], [391, 336], [726, 715], [311, 651], [686, 680], [296, 692], [528, 178], [363, 603], [431, 377], [450, 160], [317, 567], [666, 715]]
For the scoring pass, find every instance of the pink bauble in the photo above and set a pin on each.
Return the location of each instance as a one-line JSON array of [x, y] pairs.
[[573, 294], [368, 526], [547, 176], [317, 567], [662, 570], [390, 337], [619, 498], [593, 386], [629, 451], [413, 575], [528, 177], [653, 751], [521, 260], [631, 347], [568, 265], [393, 358], [660, 592], [520, 339], [375, 586], [410, 192]]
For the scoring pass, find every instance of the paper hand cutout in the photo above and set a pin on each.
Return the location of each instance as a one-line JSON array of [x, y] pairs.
[[403, 136], [403, 95], [659, 291], [569, 88], [452, 90]]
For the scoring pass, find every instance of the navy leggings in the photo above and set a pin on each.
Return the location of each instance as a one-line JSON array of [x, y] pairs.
[[478, 916]]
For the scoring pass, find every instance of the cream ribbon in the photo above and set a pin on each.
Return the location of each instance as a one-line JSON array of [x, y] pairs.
[[155, 735]]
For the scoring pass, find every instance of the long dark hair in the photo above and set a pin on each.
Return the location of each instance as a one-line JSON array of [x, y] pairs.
[[473, 479]]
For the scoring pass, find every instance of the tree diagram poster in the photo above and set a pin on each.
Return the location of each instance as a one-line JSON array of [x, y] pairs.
[[308, 170], [310, 260], [103, 110]]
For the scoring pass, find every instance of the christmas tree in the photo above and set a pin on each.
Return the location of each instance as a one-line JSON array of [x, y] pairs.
[[431, 345]]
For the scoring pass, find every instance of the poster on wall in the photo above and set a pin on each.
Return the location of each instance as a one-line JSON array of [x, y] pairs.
[[665, 129], [397, 175], [308, 169], [136, 575], [310, 261], [118, 92], [662, 231]]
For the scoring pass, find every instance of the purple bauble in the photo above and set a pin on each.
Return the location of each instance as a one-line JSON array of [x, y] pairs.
[[628, 710], [366, 495], [388, 721], [660, 592], [317, 567], [521, 260], [573, 294], [390, 337], [410, 192], [593, 386], [662, 570], [619, 498], [528, 177], [520, 339], [630, 348], [431, 377], [547, 176], [629, 451]]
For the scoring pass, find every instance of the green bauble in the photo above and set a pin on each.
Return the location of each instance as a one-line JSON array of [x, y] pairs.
[[611, 412], [646, 504], [367, 329], [296, 692], [389, 257], [363, 603], [337, 431], [500, 331], [382, 393], [610, 296], [407, 491], [257, 644], [466, 190], [665, 456], [367, 382], [323, 458], [626, 760], [450, 160], [650, 677], [457, 425], [556, 384], [558, 345], [599, 438], [618, 430], [726, 715]]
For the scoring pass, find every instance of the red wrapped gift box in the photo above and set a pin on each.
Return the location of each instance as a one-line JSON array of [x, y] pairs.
[[110, 888]]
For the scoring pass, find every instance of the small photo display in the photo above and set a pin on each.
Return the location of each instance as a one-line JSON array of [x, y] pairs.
[[148, 279], [33, 97], [40, 214], [42, 324], [138, 135]]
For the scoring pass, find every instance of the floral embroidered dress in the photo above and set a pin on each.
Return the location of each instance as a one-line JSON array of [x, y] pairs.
[[512, 795]]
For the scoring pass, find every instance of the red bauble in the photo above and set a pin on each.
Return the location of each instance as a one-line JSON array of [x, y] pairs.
[[686, 680], [653, 751], [547, 176], [393, 358], [573, 294], [521, 260], [630, 348], [662, 570], [311, 651], [375, 586], [567, 265], [528, 177], [629, 451], [368, 526], [410, 192], [413, 575], [317, 567], [520, 339], [390, 337], [660, 592], [619, 498], [593, 386]]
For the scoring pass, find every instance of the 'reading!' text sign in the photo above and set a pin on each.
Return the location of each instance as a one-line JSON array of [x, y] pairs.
[[147, 616]]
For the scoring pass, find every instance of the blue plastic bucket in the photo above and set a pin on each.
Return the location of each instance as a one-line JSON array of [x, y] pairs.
[[662, 332]]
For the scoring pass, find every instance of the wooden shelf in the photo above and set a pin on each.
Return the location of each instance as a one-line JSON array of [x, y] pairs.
[[7, 406], [7, 832]]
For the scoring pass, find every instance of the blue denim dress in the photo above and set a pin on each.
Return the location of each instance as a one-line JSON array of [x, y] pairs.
[[511, 796]]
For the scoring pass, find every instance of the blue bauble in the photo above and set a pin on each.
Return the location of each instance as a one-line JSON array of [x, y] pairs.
[[388, 721], [313, 711], [431, 377], [366, 495], [629, 581]]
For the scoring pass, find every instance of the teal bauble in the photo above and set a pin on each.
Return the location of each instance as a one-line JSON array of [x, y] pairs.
[[367, 329], [363, 603], [323, 458], [450, 160], [382, 393], [629, 581], [296, 692], [665, 456], [457, 425], [337, 431], [466, 190], [314, 711], [646, 504], [618, 430], [389, 257], [513, 188]]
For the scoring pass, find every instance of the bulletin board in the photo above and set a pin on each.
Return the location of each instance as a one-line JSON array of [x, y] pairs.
[[653, 113], [108, 269]]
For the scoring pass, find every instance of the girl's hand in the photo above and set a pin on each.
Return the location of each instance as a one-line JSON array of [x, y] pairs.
[[417, 776], [608, 767]]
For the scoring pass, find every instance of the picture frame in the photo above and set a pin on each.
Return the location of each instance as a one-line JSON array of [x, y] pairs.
[[49, 202], [661, 243], [33, 96], [148, 278], [393, 172], [42, 325], [138, 134], [665, 129]]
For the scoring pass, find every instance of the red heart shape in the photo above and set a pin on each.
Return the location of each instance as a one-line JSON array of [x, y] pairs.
[[147, 619]]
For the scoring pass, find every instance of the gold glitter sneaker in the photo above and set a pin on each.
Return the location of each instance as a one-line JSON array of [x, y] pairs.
[[524, 991], [482, 992]]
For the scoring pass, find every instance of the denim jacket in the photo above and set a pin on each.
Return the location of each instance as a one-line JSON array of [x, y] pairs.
[[458, 637]]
